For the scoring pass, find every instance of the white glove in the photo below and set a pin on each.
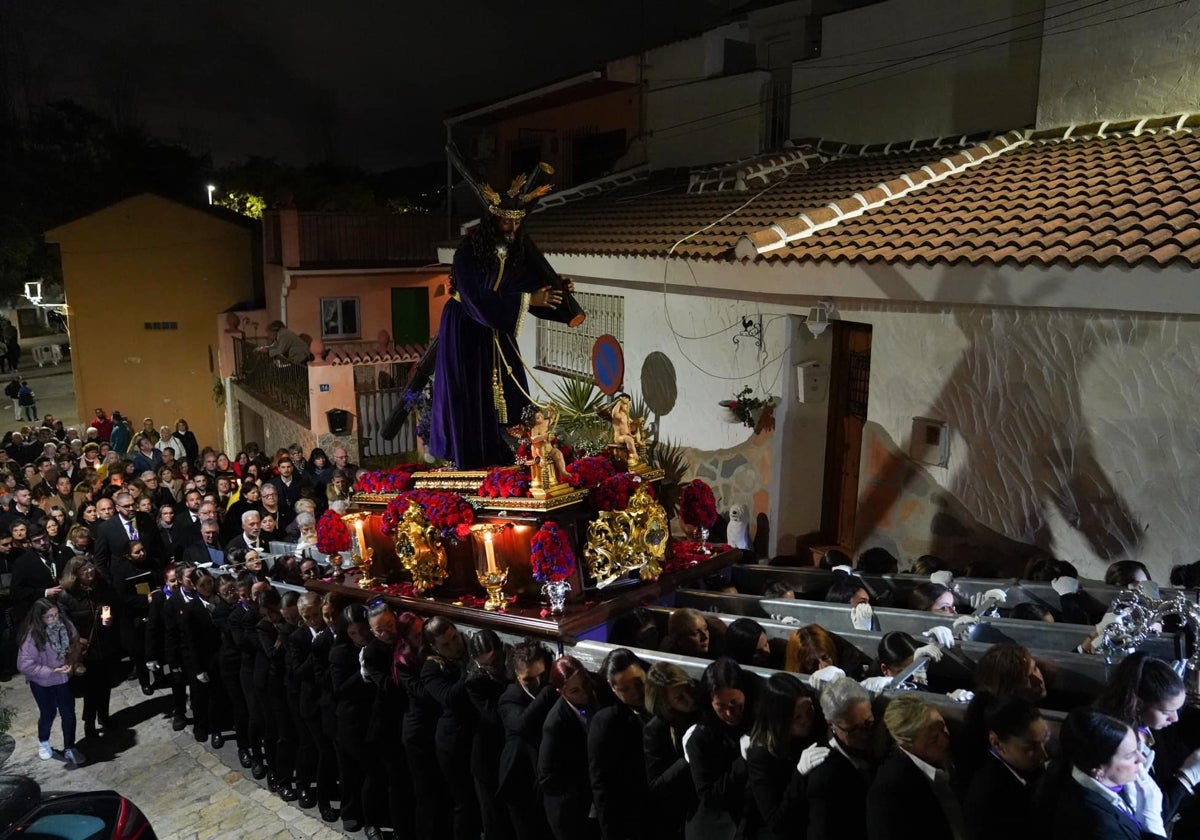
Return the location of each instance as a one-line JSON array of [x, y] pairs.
[[876, 685], [847, 569], [961, 695], [152, 665], [945, 578], [1148, 805], [744, 745], [941, 635], [785, 619], [996, 595], [1065, 585], [687, 737], [1189, 772], [1109, 618], [827, 674], [811, 758], [202, 677], [362, 664], [862, 617], [930, 652]]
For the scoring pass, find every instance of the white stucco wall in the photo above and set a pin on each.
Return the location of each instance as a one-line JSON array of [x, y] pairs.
[[1142, 63], [855, 92], [1077, 430]]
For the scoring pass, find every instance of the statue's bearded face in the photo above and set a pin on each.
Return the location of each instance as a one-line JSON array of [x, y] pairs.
[[507, 228]]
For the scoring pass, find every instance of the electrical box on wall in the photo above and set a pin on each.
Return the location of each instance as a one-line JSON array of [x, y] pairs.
[[930, 443], [812, 383]]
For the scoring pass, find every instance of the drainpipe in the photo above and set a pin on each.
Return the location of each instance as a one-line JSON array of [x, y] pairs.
[[229, 442], [283, 294]]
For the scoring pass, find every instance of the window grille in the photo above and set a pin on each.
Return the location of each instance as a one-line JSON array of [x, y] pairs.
[[568, 351], [161, 325]]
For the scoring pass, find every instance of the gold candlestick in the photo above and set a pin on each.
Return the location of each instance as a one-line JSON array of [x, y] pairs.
[[488, 571], [360, 555]]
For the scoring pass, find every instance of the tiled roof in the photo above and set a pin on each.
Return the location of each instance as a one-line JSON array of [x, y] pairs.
[[1125, 194], [373, 353]]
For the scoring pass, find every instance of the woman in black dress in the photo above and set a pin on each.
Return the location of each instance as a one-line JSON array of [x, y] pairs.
[[785, 747], [715, 749], [671, 703]]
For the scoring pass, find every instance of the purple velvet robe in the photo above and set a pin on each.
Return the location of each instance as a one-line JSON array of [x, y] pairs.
[[464, 426]]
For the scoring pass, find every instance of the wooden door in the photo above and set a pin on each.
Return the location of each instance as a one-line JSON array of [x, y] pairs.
[[850, 376]]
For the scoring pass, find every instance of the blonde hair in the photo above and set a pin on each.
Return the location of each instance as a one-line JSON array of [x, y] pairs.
[[905, 717], [659, 677]]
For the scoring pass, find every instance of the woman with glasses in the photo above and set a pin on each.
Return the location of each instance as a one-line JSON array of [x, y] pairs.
[[837, 789]]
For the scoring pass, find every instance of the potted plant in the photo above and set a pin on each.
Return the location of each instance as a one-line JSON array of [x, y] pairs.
[[753, 412]]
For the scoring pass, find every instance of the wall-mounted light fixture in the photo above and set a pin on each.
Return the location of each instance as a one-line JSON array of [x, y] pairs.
[[819, 316]]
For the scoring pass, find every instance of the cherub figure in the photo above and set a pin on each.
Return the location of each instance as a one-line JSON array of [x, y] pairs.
[[627, 432], [548, 467]]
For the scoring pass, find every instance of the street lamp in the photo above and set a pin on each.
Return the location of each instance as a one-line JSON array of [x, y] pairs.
[[211, 189]]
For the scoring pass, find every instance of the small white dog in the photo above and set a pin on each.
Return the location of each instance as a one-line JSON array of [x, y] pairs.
[[738, 533]]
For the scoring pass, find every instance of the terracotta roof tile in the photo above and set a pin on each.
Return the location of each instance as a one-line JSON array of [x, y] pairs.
[[1120, 199]]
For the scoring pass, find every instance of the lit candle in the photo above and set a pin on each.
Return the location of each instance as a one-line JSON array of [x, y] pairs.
[[491, 552], [362, 543]]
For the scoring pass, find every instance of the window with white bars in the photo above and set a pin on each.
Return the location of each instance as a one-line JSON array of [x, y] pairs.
[[568, 350]]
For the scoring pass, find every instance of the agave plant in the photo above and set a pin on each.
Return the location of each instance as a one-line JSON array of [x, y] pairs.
[[672, 459], [580, 422]]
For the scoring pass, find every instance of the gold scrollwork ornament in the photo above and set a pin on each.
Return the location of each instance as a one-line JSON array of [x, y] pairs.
[[623, 541], [419, 547]]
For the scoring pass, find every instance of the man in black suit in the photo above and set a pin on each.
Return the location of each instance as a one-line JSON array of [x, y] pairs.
[[34, 575], [250, 537], [522, 709], [114, 535], [999, 801], [291, 488], [316, 763], [207, 550], [187, 517], [912, 780], [21, 507], [837, 788]]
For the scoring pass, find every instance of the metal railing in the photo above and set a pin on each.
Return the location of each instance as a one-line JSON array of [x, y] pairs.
[[275, 381]]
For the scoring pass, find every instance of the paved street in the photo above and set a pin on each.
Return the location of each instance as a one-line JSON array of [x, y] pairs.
[[55, 390], [188, 790]]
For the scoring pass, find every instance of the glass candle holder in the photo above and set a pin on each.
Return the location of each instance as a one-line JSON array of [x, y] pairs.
[[491, 565]]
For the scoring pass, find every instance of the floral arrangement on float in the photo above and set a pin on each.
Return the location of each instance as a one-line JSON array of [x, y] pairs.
[[587, 473], [448, 513], [333, 535], [684, 554], [418, 403], [505, 483], [552, 562], [615, 491], [698, 512], [395, 479]]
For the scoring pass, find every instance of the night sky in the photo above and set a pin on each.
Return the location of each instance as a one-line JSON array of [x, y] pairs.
[[364, 80]]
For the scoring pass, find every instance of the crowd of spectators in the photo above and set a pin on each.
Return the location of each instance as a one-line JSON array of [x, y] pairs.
[[400, 722]]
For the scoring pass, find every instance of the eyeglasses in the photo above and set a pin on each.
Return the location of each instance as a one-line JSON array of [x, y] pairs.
[[862, 728]]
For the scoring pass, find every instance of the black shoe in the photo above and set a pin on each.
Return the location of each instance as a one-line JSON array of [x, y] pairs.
[[351, 826], [258, 770], [146, 689], [243, 757], [218, 740], [200, 734], [272, 782], [179, 723], [288, 793], [330, 814], [307, 798], [372, 833], [89, 731]]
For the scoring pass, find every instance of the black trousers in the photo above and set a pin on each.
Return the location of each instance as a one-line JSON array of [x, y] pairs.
[[431, 811], [95, 687], [231, 681], [456, 770], [352, 773], [255, 723]]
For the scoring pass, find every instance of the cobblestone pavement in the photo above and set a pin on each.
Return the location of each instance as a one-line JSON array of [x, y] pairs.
[[188, 790]]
